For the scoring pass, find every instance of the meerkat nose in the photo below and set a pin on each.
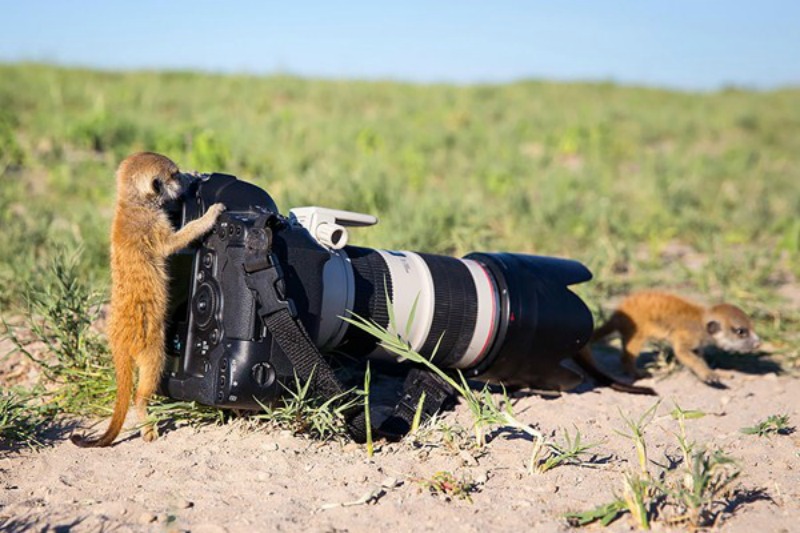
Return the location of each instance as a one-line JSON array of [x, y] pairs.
[[756, 341]]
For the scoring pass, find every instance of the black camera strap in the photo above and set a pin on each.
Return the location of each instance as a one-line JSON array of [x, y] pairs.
[[420, 385], [264, 277]]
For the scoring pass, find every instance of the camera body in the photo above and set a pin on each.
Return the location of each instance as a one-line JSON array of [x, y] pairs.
[[218, 350], [499, 317]]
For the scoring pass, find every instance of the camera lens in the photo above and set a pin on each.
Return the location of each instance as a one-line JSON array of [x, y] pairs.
[[541, 320]]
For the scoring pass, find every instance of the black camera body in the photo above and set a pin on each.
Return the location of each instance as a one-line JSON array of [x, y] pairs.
[[218, 351], [498, 317]]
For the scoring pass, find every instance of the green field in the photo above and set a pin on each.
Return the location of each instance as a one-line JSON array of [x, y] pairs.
[[650, 188]]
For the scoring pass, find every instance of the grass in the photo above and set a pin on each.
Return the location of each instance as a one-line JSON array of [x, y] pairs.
[[300, 412], [570, 453], [772, 425], [613, 176], [636, 430], [73, 357], [21, 421], [446, 484], [694, 495]]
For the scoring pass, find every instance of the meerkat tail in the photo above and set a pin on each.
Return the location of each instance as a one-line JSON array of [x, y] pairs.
[[586, 361], [124, 374]]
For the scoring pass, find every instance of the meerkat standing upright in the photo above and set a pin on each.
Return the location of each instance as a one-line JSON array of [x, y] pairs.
[[141, 240], [688, 327]]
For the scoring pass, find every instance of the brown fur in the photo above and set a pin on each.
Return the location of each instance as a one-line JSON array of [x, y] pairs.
[[688, 327], [141, 240]]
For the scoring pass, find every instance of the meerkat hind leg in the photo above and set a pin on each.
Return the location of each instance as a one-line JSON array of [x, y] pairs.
[[150, 368], [631, 348]]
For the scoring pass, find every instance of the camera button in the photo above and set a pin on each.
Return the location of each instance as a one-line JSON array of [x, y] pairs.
[[263, 374], [208, 260], [201, 276]]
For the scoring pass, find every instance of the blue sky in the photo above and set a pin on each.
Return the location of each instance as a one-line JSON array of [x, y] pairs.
[[687, 44]]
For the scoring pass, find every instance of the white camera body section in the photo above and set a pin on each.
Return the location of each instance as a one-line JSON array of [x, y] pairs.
[[329, 226]]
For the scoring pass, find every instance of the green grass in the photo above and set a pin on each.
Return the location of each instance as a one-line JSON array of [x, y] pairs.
[[569, 453], [74, 358], [616, 177], [693, 495], [22, 421], [300, 412], [772, 425]]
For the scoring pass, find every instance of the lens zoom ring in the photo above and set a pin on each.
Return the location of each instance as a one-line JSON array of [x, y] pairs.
[[455, 309], [372, 281]]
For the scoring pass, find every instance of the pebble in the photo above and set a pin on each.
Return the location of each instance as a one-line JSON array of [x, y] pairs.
[[391, 482], [147, 518], [467, 458], [269, 446]]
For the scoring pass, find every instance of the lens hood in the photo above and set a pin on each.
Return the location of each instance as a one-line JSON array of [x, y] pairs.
[[541, 322]]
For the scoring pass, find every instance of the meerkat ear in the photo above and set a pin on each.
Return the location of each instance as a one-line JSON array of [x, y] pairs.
[[713, 327]]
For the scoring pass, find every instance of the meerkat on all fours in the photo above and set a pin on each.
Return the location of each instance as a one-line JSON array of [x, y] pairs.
[[688, 327], [141, 240]]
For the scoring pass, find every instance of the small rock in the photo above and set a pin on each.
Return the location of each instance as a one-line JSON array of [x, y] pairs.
[[269, 446], [147, 518], [185, 504], [391, 482], [351, 447], [467, 458]]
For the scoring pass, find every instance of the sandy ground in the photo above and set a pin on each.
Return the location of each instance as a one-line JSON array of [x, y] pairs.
[[236, 478]]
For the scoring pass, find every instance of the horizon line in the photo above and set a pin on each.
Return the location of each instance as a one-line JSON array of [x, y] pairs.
[[288, 73]]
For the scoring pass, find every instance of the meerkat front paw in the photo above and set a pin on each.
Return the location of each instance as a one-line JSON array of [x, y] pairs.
[[216, 210], [712, 379], [211, 215]]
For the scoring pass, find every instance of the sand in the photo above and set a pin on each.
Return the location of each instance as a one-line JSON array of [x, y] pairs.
[[238, 477]]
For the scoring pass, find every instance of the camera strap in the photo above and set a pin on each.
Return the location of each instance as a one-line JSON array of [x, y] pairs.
[[420, 385], [263, 276]]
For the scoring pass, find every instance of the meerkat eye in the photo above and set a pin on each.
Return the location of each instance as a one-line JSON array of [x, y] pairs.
[[157, 186], [740, 332]]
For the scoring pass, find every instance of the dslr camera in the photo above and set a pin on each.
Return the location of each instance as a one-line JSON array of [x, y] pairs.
[[498, 317]]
